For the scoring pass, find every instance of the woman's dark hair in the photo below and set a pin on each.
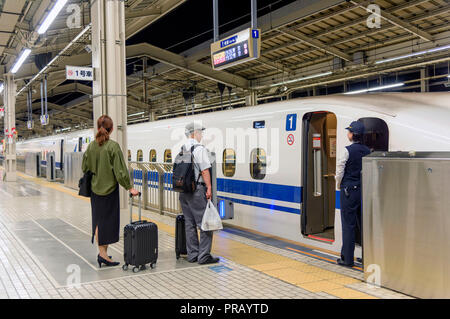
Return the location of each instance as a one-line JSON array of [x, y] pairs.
[[105, 126]]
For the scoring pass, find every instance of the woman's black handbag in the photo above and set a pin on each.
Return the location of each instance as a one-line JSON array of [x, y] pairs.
[[85, 185]]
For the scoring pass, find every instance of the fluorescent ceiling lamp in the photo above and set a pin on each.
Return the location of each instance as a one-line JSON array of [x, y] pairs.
[[377, 88], [1, 88], [138, 120], [302, 79], [22, 59], [414, 54], [135, 114], [51, 16]]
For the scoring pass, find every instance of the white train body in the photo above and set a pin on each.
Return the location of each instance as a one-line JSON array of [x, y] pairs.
[[275, 204]]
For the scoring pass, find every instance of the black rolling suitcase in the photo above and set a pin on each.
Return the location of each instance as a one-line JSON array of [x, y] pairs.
[[180, 236], [140, 241]]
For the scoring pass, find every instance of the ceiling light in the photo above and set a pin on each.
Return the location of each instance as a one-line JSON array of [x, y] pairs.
[[414, 54], [135, 114], [377, 88], [1, 88], [22, 59], [302, 79], [51, 16]]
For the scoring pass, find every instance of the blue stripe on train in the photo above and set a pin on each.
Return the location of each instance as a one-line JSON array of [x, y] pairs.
[[263, 205], [275, 207], [292, 194], [338, 200], [286, 193]]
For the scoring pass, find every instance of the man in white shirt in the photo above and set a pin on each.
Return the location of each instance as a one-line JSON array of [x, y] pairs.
[[194, 204]]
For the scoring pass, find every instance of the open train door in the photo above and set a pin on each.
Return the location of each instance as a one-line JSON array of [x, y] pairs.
[[318, 170]]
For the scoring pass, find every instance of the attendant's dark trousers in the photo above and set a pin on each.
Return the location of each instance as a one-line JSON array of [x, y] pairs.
[[351, 220]]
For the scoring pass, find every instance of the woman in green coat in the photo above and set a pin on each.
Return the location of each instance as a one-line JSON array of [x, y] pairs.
[[104, 159]]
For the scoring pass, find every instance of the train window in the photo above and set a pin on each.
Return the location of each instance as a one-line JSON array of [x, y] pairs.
[[229, 162], [258, 163], [376, 135], [167, 156], [140, 156], [129, 155], [152, 156]]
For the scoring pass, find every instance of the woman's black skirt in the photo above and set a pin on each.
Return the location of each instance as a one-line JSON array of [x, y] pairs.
[[106, 215]]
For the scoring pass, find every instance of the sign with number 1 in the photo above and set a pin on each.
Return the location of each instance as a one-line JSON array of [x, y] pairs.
[[291, 122]]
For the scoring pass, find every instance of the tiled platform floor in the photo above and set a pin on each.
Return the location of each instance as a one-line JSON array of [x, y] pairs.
[[45, 244]]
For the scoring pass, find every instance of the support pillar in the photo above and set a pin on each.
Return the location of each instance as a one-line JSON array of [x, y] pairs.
[[109, 61], [151, 114], [144, 80], [423, 82], [251, 99], [9, 98]]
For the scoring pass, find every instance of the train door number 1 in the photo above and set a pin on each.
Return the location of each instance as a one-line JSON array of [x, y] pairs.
[[291, 122]]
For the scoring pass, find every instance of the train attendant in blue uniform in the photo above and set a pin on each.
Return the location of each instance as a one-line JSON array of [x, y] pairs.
[[348, 180]]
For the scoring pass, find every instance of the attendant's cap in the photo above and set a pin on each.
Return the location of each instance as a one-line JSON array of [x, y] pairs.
[[191, 127], [356, 127]]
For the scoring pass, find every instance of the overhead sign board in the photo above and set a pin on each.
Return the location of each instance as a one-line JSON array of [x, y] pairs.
[[79, 73], [44, 119], [228, 41], [239, 48]]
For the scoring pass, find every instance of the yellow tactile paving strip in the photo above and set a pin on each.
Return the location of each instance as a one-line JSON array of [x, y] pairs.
[[308, 277]]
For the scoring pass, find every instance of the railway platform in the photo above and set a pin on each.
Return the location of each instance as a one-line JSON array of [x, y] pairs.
[[45, 252]]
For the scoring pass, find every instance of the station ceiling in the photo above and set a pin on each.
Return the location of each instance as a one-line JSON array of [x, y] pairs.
[[300, 40]]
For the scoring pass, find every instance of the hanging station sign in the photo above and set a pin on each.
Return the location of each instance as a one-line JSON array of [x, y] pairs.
[[79, 73], [44, 119], [239, 48]]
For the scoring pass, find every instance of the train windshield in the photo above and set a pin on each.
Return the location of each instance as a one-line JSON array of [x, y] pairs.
[[376, 134]]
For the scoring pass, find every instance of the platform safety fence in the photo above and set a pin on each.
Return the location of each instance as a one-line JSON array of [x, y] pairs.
[[154, 181]]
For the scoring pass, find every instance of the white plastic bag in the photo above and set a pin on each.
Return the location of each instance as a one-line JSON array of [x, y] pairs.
[[211, 219]]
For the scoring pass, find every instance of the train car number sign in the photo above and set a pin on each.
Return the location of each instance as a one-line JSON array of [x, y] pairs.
[[79, 73], [291, 122]]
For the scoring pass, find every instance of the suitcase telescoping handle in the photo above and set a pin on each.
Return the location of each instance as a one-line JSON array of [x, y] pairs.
[[131, 207]]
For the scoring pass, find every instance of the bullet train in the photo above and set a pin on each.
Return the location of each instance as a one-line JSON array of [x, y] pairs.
[[277, 161]]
